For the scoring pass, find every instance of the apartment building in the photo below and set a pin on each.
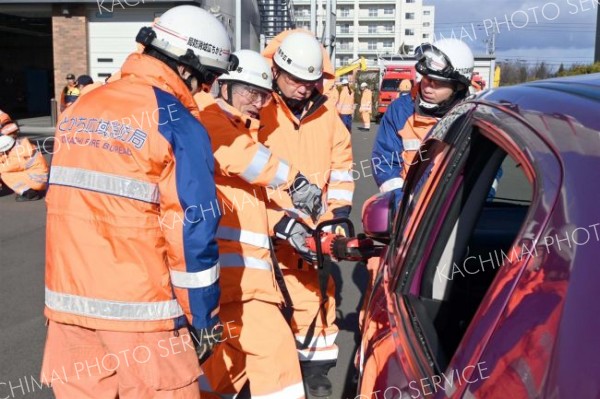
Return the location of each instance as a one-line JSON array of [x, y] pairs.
[[372, 28]]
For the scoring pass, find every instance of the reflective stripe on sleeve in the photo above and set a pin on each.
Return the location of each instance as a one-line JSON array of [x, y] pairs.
[[257, 165], [411, 144], [345, 195], [105, 183], [199, 279], [340, 176], [392, 184], [281, 176], [245, 236], [112, 310]]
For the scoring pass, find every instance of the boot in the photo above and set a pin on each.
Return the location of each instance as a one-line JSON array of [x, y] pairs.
[[315, 377], [29, 195]]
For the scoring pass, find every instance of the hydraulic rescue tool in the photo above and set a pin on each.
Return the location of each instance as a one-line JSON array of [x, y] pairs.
[[338, 247]]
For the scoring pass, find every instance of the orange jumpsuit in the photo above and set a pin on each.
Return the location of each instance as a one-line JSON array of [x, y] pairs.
[[131, 255], [262, 350], [320, 143], [22, 167], [366, 107]]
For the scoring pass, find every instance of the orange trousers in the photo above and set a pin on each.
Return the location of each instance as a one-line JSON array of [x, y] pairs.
[[305, 292], [92, 364], [257, 348], [366, 119]]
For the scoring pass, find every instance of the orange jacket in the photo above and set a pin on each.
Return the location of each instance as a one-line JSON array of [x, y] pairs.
[[130, 246], [23, 167], [242, 167], [321, 144], [345, 104], [366, 101]]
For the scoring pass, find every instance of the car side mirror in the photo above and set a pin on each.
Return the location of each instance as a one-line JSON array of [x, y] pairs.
[[378, 216]]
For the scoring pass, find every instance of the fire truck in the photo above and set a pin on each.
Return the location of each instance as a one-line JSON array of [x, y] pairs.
[[390, 81]]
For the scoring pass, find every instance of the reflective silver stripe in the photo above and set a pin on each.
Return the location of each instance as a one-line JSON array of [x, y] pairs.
[[281, 176], [411, 144], [295, 391], [345, 195], [340, 175], [392, 184], [326, 341], [256, 166], [523, 370], [328, 354], [236, 260], [245, 236], [112, 310], [200, 279], [105, 183]]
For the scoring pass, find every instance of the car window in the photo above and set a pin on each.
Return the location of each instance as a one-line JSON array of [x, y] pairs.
[[476, 213], [390, 84]]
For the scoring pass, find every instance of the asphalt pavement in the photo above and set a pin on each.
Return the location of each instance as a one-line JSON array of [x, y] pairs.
[[22, 246]]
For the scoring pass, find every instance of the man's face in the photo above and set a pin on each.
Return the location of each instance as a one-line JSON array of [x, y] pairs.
[[71, 82], [292, 87], [436, 91], [247, 99]]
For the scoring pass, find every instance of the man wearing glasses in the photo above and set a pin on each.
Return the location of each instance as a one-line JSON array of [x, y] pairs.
[[303, 126], [258, 357]]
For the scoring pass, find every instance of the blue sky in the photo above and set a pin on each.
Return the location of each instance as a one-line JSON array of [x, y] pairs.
[[532, 30]]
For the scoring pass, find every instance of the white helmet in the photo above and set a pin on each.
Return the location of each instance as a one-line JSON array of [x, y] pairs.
[[252, 69], [344, 81], [6, 142], [446, 59], [300, 55], [363, 85], [192, 36]]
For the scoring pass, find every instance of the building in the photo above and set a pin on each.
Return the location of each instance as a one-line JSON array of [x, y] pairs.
[[372, 28], [43, 40]]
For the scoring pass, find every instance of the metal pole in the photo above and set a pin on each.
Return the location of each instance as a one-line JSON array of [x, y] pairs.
[[238, 24], [313, 16], [327, 20]]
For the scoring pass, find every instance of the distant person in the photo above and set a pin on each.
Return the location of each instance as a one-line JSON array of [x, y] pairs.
[[405, 87], [22, 167], [366, 106], [345, 104], [85, 84], [70, 93]]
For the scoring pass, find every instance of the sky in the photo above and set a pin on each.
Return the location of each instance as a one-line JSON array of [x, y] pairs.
[[553, 31]]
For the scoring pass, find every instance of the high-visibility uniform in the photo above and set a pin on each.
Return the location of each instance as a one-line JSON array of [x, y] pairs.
[[87, 88], [321, 144], [366, 107], [397, 143], [262, 349], [68, 96], [345, 106], [23, 167], [128, 248]]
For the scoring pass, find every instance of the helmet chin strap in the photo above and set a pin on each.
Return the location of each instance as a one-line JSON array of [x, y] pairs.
[[423, 107], [296, 106]]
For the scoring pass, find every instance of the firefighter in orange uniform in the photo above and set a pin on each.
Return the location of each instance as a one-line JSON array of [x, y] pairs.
[[131, 261], [345, 104], [22, 167], [262, 354], [302, 126], [366, 106]]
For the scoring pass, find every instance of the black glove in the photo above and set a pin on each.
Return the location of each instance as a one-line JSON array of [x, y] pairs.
[[296, 234], [306, 197], [205, 340]]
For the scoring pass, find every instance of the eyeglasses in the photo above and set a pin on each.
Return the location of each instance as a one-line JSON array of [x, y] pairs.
[[253, 94], [294, 81]]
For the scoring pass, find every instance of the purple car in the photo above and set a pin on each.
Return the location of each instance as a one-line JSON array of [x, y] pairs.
[[489, 286]]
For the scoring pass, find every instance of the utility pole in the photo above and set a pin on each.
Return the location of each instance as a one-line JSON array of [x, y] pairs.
[[597, 53]]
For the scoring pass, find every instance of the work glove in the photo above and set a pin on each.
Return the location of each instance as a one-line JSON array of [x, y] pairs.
[[296, 234], [206, 339], [306, 197]]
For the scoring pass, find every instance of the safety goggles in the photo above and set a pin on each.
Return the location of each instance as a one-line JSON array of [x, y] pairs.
[[431, 61], [253, 94]]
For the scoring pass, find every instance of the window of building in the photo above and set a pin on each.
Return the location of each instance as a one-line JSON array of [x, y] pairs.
[[372, 45], [426, 24], [409, 32], [372, 12], [425, 35], [387, 44], [410, 1], [344, 28], [388, 11], [409, 15], [427, 12], [388, 28], [372, 29], [344, 12]]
